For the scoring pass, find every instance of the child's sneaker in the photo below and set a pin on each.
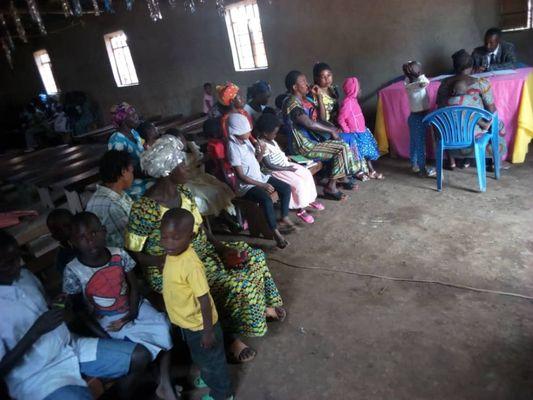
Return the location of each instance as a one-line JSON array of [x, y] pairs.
[[430, 172], [415, 169]]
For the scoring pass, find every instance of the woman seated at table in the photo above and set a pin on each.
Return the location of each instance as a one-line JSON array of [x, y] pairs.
[[110, 203], [126, 120], [307, 140], [241, 284], [465, 90]]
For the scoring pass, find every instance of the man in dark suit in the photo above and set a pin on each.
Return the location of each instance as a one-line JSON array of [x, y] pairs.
[[495, 54]]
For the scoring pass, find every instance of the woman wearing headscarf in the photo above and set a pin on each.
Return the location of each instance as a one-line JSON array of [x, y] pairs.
[[241, 284], [126, 138], [257, 96]]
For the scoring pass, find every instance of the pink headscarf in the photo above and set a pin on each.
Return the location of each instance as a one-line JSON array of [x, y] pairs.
[[351, 118]]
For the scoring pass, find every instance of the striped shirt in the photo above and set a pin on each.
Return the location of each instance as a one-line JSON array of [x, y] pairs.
[[274, 155]]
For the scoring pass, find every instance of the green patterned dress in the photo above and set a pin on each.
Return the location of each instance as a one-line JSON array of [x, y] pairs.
[[241, 295]]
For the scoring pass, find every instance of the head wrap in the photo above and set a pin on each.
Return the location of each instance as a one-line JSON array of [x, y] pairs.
[[238, 124], [165, 154], [258, 88], [119, 112], [226, 93]]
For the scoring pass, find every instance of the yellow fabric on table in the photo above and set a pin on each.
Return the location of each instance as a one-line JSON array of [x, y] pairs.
[[524, 130], [380, 130]]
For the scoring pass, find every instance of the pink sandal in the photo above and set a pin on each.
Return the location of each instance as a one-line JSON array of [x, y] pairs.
[[317, 205], [305, 217]]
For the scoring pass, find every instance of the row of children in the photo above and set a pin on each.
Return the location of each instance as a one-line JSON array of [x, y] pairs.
[[41, 359]]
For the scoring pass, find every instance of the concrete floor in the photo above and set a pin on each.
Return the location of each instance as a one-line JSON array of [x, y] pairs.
[[349, 337]]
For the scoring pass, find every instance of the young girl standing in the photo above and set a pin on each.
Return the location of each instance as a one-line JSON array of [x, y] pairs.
[[303, 189], [351, 119], [416, 85]]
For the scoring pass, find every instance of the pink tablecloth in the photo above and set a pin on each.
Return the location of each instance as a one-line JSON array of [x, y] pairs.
[[507, 91]]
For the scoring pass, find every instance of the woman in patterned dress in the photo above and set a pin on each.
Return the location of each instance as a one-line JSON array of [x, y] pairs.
[[126, 138], [307, 140], [241, 284], [476, 92]]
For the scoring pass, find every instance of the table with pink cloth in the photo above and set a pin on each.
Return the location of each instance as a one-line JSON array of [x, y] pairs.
[[393, 110]]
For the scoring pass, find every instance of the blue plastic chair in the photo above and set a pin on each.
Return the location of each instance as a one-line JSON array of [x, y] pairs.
[[455, 127]]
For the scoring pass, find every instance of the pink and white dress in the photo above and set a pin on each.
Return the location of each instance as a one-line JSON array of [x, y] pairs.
[[303, 189]]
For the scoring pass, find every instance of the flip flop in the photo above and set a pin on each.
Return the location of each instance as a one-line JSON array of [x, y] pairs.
[[305, 217], [376, 175], [281, 315], [242, 358], [317, 205]]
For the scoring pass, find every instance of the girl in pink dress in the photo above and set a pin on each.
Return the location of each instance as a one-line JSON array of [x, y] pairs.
[[352, 120], [303, 189]]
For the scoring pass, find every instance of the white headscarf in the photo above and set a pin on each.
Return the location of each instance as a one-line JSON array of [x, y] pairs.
[[161, 159], [238, 124]]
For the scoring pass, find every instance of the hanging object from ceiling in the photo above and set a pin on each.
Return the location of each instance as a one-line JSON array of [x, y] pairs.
[[96, 8], [154, 10], [7, 34], [129, 5], [76, 7], [36, 15], [190, 7], [67, 11], [221, 7], [172, 3], [7, 50], [18, 23]]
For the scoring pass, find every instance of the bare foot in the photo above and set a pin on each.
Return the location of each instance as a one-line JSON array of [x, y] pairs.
[[276, 313]]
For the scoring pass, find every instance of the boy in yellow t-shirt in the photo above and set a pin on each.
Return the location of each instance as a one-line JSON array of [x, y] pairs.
[[189, 304]]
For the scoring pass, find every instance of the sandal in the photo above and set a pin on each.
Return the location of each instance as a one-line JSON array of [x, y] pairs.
[[246, 355], [349, 184], [305, 217], [362, 177], [281, 315], [338, 196], [376, 175], [317, 205]]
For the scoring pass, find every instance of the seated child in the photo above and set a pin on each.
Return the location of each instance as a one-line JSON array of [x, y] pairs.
[[40, 359], [252, 183], [416, 86], [303, 189], [211, 195], [59, 223], [190, 305], [103, 279], [352, 120], [149, 133]]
